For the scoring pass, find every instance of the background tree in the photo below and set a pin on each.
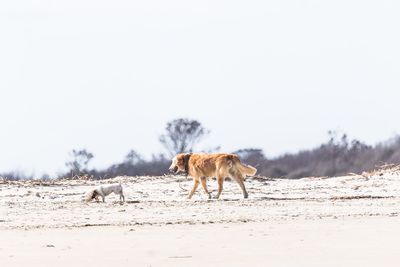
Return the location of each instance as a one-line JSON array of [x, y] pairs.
[[182, 135], [252, 156], [79, 162], [133, 158]]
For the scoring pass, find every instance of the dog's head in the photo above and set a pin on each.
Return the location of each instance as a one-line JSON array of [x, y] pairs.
[[92, 194], [180, 163]]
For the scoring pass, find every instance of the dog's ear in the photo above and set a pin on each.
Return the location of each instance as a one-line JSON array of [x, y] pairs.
[[186, 158]]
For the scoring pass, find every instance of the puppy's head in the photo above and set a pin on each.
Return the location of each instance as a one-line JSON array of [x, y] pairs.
[[90, 195], [180, 163]]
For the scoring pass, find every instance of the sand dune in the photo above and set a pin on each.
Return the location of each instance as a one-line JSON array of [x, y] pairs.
[[162, 200]]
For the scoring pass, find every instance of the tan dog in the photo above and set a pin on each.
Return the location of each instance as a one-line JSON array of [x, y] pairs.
[[200, 166]]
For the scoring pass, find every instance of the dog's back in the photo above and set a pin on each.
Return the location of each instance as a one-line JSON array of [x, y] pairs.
[[212, 165]]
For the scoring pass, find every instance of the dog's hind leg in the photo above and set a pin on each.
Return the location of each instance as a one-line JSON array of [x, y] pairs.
[[121, 197], [220, 180], [204, 185], [195, 185], [238, 177]]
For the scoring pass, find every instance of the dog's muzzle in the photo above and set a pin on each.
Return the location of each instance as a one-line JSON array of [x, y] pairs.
[[174, 169]]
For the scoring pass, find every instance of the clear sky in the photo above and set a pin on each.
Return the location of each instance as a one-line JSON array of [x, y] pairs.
[[276, 75]]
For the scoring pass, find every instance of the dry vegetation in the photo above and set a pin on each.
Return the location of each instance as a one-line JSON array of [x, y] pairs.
[[338, 156]]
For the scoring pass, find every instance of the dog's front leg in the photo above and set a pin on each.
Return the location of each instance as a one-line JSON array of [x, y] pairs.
[[195, 185], [204, 185]]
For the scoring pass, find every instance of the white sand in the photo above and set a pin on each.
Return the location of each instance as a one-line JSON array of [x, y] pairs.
[[341, 221], [326, 242]]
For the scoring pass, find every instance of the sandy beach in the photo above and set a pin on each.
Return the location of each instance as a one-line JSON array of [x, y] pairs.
[[341, 221], [323, 242]]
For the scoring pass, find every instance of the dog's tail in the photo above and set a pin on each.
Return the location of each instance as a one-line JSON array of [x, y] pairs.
[[245, 170]]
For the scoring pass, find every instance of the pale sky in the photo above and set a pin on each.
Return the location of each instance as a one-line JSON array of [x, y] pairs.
[[276, 75]]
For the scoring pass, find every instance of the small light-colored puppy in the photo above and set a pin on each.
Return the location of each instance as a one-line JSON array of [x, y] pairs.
[[103, 191]]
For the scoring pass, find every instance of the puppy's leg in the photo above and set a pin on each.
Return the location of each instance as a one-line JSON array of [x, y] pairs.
[[120, 192], [204, 185], [195, 185], [220, 180]]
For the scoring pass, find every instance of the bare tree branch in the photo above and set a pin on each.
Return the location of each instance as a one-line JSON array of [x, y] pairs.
[[182, 135]]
